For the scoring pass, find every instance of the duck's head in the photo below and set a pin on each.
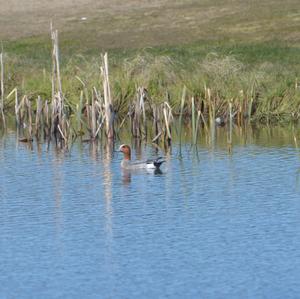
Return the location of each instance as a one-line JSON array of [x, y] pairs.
[[125, 149]]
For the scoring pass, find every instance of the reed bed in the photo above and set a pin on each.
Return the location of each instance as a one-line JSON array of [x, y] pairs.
[[2, 89], [150, 95]]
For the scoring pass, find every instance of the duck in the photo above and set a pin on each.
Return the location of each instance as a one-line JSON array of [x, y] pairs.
[[220, 121], [134, 165]]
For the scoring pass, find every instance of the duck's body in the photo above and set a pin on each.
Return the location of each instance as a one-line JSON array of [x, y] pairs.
[[148, 164], [134, 165]]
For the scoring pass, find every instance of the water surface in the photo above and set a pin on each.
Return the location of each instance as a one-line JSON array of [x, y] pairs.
[[212, 225]]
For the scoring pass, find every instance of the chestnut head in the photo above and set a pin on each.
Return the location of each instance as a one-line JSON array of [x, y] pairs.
[[125, 149]]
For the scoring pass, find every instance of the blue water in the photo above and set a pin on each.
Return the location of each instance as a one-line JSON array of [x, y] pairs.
[[212, 225]]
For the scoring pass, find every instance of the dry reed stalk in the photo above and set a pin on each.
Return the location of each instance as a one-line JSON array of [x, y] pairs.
[[138, 114], [204, 122], [27, 120], [88, 109], [250, 109], [240, 109], [212, 113], [58, 118], [63, 121], [60, 126], [181, 114], [46, 119], [143, 95], [212, 105], [156, 138], [19, 110], [2, 89], [100, 124], [123, 121], [38, 117], [99, 102], [56, 80], [193, 121], [62, 134], [229, 138], [16, 105], [156, 123], [88, 116], [109, 113], [79, 108], [295, 141], [95, 113], [29, 111], [54, 116], [100, 112], [85, 108], [93, 119], [15, 92], [197, 127], [252, 95], [168, 118]]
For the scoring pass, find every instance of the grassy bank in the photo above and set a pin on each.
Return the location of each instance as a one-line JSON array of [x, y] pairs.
[[267, 72]]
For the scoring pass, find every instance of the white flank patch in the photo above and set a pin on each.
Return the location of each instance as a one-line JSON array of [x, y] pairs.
[[150, 166]]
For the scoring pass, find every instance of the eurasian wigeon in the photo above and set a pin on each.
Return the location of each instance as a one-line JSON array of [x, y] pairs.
[[132, 165]]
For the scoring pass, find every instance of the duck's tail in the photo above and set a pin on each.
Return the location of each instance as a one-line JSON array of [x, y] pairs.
[[157, 162]]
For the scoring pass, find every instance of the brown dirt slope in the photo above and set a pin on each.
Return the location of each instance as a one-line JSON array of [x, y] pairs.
[[134, 23]]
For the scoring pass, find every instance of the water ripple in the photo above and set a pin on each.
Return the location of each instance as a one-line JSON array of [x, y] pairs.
[[212, 225]]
